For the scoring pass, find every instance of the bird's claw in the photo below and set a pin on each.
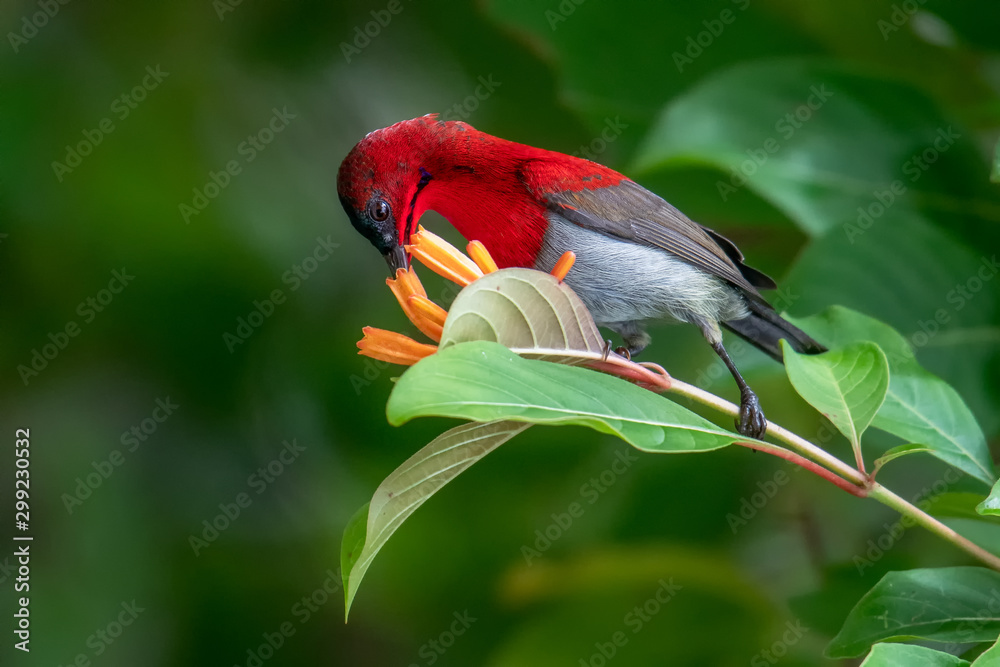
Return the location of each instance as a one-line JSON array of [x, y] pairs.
[[752, 423], [620, 350]]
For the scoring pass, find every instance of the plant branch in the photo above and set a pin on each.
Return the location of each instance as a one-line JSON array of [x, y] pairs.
[[887, 497], [811, 466], [796, 442], [848, 476]]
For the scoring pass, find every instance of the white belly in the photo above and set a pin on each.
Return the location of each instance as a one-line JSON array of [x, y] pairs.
[[624, 282]]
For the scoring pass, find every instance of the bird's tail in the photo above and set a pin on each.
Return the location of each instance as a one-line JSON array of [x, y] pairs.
[[763, 328]]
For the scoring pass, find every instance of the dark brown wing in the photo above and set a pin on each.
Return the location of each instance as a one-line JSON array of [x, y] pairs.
[[628, 211]]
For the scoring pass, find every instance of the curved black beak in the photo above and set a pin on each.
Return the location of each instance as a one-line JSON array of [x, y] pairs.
[[396, 259]]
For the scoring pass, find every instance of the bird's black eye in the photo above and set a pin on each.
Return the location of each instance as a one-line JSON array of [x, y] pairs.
[[378, 210]]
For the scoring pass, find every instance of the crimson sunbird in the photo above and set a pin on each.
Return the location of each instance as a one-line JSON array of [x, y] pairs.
[[637, 257]]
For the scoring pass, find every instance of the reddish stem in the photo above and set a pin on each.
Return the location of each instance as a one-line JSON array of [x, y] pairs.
[[811, 466], [632, 372]]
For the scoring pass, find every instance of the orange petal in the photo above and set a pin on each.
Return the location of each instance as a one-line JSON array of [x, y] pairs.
[[481, 256], [409, 282], [426, 315], [428, 309], [405, 285], [393, 347], [442, 258], [564, 264]]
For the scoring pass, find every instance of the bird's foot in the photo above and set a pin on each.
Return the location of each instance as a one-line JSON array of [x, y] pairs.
[[620, 350], [752, 423]]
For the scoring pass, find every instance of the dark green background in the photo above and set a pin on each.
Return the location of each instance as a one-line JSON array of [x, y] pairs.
[[563, 71]]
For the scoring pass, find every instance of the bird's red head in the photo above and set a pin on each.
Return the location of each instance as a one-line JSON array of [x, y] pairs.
[[492, 190], [380, 180]]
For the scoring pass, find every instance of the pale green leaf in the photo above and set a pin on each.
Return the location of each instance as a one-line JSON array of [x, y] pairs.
[[408, 487], [897, 452], [906, 655], [846, 384]]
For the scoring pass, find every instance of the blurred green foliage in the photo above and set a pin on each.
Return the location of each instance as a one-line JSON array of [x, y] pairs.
[[692, 91]]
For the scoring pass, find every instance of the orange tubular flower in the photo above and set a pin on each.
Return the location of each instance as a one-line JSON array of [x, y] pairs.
[[393, 347], [431, 313], [443, 258], [407, 286], [447, 261], [481, 256], [564, 264]]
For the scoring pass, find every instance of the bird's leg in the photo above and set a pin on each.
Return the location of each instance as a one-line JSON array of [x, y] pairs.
[[751, 422]]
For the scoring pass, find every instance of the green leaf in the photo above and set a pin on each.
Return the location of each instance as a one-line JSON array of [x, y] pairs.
[[847, 384], [956, 505], [995, 172], [408, 487], [484, 381], [919, 407], [531, 312], [990, 658], [913, 276], [991, 505], [905, 655], [813, 139], [956, 604], [897, 452], [352, 545]]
